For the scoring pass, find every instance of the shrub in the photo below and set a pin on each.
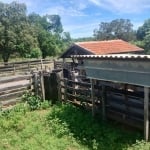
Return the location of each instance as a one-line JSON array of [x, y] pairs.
[[32, 100], [45, 104]]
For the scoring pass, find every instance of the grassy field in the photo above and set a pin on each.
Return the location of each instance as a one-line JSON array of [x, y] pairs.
[[63, 127]]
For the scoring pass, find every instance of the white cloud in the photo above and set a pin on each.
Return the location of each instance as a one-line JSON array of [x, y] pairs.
[[96, 2], [62, 11], [28, 2], [123, 6]]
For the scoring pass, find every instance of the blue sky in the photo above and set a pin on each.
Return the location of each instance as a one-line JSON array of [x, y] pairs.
[[81, 17]]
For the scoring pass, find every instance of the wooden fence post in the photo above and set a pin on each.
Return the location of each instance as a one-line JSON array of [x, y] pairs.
[[29, 69], [146, 113], [55, 67], [65, 89], [41, 64], [35, 78], [42, 85], [103, 102], [59, 88], [92, 97], [14, 69]]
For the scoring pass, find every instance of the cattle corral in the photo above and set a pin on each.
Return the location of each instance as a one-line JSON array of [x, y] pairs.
[[125, 101]]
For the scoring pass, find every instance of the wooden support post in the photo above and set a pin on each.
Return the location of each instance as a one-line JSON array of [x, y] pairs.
[[36, 83], [42, 86], [65, 89], [41, 64], [63, 65], [59, 83], [74, 78], [55, 67], [126, 101], [92, 97], [29, 69], [59, 88], [14, 69], [146, 113], [103, 102]]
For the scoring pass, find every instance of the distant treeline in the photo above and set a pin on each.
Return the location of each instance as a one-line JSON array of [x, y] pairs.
[[30, 36]]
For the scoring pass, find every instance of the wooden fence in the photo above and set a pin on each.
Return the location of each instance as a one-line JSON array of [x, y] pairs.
[[12, 88], [120, 102], [25, 67]]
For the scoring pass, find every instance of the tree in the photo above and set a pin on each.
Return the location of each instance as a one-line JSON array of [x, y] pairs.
[[55, 25], [116, 29], [15, 32], [147, 42], [142, 31], [143, 36], [47, 44], [49, 30]]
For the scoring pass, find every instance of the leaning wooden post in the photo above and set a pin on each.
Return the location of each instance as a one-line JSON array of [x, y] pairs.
[[92, 97], [42, 85], [146, 113]]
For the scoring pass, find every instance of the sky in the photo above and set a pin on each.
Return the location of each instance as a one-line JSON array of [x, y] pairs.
[[81, 17]]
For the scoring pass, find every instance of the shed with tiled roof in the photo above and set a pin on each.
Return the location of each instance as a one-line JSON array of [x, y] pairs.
[[101, 48]]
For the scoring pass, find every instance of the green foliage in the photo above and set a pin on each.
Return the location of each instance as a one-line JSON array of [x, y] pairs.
[[32, 100], [10, 118], [116, 29], [35, 53], [63, 127], [143, 35], [68, 120], [142, 31], [55, 25], [27, 34], [45, 104], [146, 42], [47, 43], [8, 26]]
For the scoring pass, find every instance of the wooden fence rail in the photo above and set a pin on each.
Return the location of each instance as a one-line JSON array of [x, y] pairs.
[[25, 67], [12, 88], [120, 103]]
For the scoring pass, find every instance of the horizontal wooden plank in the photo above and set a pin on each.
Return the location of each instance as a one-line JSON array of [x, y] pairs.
[[15, 78], [15, 86], [129, 112], [10, 96], [14, 90], [128, 121]]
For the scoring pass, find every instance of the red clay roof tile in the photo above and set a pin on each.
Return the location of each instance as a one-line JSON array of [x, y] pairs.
[[109, 47]]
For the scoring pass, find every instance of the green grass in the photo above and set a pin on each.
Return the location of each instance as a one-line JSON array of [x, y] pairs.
[[63, 127]]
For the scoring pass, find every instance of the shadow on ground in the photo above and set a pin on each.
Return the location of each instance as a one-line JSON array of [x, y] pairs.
[[93, 132]]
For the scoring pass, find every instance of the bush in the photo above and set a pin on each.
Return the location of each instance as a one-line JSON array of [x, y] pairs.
[[32, 100], [45, 104], [35, 53]]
